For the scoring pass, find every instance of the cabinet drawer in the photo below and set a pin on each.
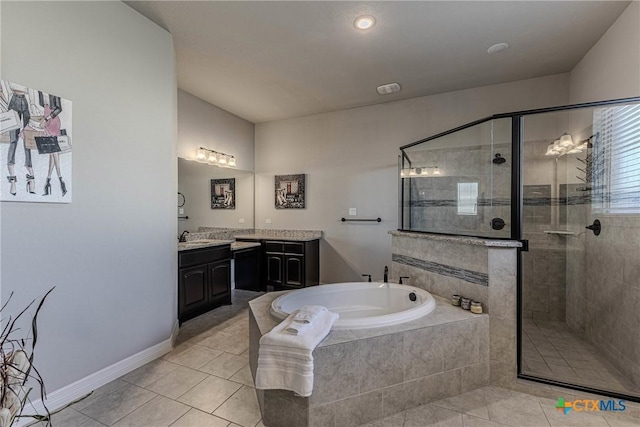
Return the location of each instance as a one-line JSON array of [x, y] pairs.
[[203, 256], [293, 248], [277, 247]]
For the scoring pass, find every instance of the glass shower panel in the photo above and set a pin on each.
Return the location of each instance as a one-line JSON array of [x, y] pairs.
[[459, 183], [580, 278]]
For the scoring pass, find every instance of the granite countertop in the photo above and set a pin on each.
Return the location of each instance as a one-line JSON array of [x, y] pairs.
[[477, 241], [290, 235], [199, 244], [244, 245]]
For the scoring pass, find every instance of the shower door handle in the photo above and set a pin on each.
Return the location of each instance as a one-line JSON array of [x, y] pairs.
[[596, 227]]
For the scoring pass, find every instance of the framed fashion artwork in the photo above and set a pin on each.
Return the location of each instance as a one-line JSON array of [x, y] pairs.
[[290, 191], [223, 193], [35, 145]]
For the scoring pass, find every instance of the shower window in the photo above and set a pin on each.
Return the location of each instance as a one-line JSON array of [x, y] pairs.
[[467, 198], [617, 159]]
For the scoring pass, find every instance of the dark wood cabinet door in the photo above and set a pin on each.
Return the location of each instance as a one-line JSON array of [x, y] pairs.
[[247, 269], [275, 270], [294, 270], [219, 279], [192, 288]]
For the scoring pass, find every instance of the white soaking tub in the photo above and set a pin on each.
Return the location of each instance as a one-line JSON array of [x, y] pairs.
[[361, 305]]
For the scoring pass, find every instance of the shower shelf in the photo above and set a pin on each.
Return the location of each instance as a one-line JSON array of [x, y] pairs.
[[561, 232]]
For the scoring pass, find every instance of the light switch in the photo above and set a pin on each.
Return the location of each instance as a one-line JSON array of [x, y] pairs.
[[267, 221], [181, 211], [353, 212], [241, 220]]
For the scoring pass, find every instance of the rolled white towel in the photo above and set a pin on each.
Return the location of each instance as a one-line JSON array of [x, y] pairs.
[[308, 313], [296, 328]]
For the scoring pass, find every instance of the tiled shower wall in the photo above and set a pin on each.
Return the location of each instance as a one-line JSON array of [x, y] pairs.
[[434, 199], [544, 266], [608, 301]]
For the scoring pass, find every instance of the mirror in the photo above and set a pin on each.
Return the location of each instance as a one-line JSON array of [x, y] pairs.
[[194, 183]]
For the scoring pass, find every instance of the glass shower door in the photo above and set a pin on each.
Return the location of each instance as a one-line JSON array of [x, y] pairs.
[[580, 279]]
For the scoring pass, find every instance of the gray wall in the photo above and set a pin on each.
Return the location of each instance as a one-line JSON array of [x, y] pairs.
[[611, 69], [111, 253], [350, 158], [201, 124]]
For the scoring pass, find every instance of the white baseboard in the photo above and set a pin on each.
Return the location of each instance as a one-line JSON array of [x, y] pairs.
[[84, 386]]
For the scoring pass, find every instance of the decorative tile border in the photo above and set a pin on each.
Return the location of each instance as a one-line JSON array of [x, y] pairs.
[[474, 277], [454, 203]]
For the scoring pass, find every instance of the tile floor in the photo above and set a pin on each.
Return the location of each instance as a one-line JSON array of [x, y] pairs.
[[205, 381], [495, 407], [553, 350]]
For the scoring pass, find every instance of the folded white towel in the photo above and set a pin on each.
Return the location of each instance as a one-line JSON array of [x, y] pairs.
[[308, 312], [285, 361], [311, 337]]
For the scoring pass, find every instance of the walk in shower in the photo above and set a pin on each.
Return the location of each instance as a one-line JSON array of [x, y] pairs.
[[566, 182]]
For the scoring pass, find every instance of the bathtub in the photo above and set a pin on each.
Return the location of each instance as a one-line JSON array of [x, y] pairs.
[[361, 305]]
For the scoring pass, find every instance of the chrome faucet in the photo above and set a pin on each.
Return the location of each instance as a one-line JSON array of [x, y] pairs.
[[386, 274]]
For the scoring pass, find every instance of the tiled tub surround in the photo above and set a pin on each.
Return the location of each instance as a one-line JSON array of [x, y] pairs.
[[498, 260], [445, 270], [368, 374]]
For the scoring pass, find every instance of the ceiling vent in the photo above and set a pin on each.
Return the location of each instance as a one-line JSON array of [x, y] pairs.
[[388, 88]]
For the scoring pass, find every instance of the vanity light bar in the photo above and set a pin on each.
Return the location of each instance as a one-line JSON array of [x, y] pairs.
[[213, 157]]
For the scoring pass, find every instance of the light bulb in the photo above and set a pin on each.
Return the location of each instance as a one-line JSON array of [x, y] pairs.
[[201, 155], [436, 171], [566, 141], [213, 158], [223, 159], [550, 150], [232, 162]]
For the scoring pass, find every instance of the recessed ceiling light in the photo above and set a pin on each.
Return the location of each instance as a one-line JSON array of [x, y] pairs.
[[498, 47], [364, 22]]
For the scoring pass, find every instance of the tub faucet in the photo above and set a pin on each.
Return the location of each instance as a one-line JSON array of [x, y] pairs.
[[386, 274]]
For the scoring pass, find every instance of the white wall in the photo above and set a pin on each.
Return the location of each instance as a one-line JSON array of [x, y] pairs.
[[350, 158], [611, 69], [112, 252], [201, 124]]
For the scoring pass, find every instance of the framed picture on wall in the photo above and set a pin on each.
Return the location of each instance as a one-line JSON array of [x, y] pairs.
[[223, 193], [35, 143], [290, 191]]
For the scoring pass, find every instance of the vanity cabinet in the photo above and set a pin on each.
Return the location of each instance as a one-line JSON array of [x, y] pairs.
[[204, 280], [292, 265]]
